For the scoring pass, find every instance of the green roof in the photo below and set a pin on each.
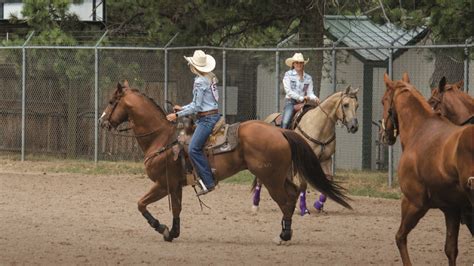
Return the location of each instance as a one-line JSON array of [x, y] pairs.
[[360, 31]]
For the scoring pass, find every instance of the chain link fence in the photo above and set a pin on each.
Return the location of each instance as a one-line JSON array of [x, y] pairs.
[[51, 97]]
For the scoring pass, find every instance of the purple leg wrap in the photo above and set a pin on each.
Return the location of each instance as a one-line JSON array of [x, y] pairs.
[[322, 198], [319, 204], [303, 208], [256, 195]]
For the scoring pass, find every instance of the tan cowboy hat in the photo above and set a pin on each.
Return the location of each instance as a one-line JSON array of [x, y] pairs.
[[201, 61], [297, 57]]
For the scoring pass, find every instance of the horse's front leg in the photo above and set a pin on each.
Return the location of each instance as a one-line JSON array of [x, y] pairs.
[[411, 214], [453, 220], [176, 199], [156, 193], [302, 189], [256, 196]]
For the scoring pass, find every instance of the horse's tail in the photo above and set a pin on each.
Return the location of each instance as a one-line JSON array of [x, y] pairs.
[[308, 166]]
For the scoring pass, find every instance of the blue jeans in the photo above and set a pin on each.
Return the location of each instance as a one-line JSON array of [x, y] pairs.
[[287, 113], [196, 154]]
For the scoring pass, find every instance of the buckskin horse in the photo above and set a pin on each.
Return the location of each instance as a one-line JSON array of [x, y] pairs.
[[453, 103], [436, 168], [318, 127], [266, 151]]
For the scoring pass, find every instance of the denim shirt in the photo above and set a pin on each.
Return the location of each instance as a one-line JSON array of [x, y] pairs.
[[203, 97], [295, 88]]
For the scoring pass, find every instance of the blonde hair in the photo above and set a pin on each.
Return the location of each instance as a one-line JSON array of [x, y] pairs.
[[209, 75]]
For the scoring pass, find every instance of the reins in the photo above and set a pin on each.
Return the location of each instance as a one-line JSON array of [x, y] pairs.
[[333, 137]]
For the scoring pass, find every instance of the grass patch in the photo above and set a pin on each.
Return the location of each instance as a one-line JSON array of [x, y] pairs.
[[243, 178], [101, 168], [368, 183], [357, 182]]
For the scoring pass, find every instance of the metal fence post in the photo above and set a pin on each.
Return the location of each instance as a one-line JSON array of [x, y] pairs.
[[277, 80], [166, 68], [334, 88], [466, 65], [224, 74], [390, 148], [96, 97], [23, 95]]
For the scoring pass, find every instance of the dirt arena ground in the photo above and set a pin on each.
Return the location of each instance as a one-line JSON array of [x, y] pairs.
[[51, 219]]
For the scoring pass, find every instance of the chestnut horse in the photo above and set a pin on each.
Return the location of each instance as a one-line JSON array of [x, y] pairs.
[[436, 168], [266, 151], [451, 102], [318, 127]]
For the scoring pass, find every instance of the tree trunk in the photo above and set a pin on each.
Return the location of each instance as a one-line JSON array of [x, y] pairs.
[[312, 35], [448, 65]]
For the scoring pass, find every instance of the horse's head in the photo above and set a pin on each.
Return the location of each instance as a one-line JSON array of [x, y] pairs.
[[450, 101], [389, 128], [348, 111], [116, 112]]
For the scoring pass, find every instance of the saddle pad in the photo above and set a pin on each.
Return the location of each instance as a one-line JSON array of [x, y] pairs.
[[227, 141]]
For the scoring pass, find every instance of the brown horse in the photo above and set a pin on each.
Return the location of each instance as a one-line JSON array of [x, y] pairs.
[[451, 102], [268, 152], [436, 168]]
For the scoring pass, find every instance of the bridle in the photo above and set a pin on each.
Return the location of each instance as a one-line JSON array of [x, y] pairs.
[[343, 119], [392, 117], [109, 115], [333, 137]]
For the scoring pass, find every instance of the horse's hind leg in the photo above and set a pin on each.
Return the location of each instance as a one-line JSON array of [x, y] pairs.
[[285, 196], [453, 220], [154, 194], [410, 217], [327, 168]]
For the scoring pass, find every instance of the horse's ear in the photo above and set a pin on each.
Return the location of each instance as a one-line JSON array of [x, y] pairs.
[[460, 85], [388, 81], [125, 83], [348, 89], [119, 87], [405, 77], [355, 91], [442, 84]]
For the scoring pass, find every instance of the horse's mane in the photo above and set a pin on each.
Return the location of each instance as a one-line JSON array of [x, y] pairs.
[[402, 87], [150, 99], [465, 98]]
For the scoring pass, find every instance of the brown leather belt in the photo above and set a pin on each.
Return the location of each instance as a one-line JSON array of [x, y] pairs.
[[203, 114]]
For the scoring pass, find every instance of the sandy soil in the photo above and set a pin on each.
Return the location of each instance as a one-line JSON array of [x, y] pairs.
[[77, 219]]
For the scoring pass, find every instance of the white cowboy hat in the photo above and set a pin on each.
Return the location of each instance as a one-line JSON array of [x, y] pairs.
[[203, 62], [297, 57]]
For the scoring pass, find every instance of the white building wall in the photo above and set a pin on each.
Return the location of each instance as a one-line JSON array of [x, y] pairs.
[[83, 10], [348, 146]]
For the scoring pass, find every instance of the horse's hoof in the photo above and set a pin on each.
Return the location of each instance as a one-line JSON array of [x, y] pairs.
[[166, 233], [470, 182], [304, 212], [279, 242], [255, 209]]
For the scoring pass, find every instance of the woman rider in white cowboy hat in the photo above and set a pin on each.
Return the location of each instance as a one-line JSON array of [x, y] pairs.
[[298, 87], [205, 106]]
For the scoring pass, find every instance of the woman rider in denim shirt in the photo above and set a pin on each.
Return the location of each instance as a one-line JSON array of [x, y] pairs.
[[205, 106], [298, 87]]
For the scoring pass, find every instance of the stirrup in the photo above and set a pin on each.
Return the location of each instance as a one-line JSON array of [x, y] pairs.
[[205, 191]]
